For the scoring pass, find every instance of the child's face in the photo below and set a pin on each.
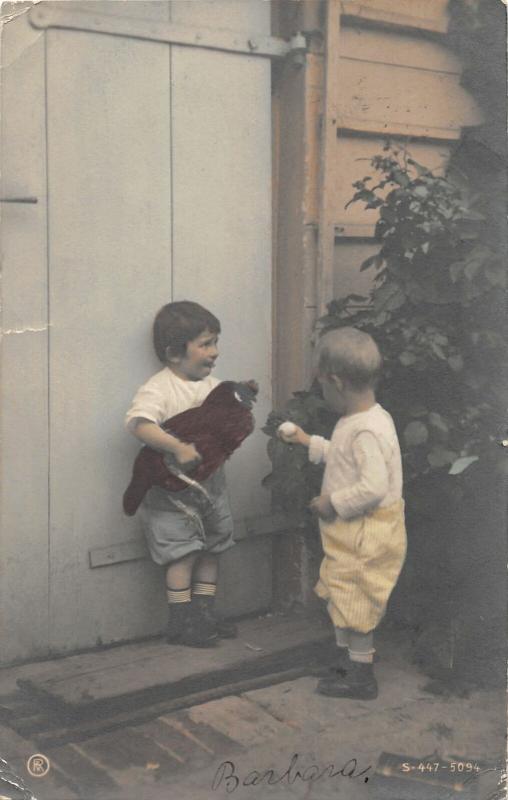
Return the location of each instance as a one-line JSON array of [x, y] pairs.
[[199, 358]]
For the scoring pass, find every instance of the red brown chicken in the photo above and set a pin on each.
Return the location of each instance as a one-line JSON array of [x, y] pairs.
[[216, 429]]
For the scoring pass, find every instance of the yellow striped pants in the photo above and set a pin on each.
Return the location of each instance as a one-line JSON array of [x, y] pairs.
[[363, 560]]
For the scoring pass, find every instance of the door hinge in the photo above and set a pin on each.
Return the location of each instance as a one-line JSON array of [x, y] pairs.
[[48, 15]]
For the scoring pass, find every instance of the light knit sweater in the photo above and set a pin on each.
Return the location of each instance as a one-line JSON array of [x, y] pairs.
[[363, 463]]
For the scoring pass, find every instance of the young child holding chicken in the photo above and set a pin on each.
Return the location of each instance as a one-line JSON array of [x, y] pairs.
[[185, 339], [360, 508]]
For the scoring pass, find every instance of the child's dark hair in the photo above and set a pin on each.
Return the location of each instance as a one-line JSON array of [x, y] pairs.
[[178, 323]]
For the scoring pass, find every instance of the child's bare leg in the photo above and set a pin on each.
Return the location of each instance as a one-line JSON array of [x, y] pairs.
[[206, 569], [179, 573]]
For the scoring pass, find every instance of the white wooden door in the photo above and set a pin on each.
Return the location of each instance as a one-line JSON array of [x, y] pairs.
[[151, 166]]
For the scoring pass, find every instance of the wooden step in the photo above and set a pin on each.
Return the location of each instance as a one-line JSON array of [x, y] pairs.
[[133, 676]]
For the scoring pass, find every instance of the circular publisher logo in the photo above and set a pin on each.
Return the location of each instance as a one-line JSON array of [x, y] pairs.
[[38, 765]]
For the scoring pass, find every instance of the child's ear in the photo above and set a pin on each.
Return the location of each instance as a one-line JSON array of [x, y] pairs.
[[171, 358], [338, 382]]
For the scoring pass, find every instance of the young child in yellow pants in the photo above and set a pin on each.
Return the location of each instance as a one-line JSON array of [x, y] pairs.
[[360, 508]]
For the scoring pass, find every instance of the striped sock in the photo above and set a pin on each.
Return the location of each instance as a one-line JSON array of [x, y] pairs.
[[178, 595], [204, 589]]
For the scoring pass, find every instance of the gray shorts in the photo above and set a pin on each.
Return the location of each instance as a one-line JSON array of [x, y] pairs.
[[193, 524]]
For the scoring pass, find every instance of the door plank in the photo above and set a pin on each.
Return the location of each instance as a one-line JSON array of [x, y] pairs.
[[24, 348], [109, 168]]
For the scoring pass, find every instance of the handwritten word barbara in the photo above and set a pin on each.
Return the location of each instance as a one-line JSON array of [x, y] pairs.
[[227, 776]]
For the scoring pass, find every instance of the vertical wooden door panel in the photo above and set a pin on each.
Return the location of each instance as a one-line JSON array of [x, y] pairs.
[[24, 390], [222, 220], [110, 269]]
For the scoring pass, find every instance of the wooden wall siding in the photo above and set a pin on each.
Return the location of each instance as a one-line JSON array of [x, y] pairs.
[[394, 83], [352, 162], [396, 77], [386, 98], [24, 347], [427, 15], [397, 48]]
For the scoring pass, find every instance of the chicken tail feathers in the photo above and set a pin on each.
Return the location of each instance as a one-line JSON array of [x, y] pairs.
[[133, 496]]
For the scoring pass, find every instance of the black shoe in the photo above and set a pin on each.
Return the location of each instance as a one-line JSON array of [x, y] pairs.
[[199, 631], [332, 670], [206, 606], [340, 667], [225, 628], [357, 683], [179, 614]]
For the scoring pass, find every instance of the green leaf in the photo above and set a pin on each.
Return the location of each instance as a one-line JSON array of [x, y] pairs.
[[406, 358], [456, 270], [401, 177], [497, 274], [416, 433], [420, 170], [456, 363], [437, 421], [438, 350], [418, 411], [461, 464], [471, 268], [372, 261], [387, 293], [421, 191], [440, 457], [476, 259], [472, 216]]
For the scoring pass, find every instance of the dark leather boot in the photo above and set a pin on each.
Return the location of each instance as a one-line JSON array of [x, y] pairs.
[[357, 683], [199, 631], [179, 614], [206, 606]]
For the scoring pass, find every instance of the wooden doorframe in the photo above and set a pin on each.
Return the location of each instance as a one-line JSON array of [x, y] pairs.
[[297, 99]]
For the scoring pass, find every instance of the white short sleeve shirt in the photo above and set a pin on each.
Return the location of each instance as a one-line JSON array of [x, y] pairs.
[[164, 395]]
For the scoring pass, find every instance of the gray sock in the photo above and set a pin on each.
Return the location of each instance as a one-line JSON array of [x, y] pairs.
[[361, 647], [342, 637]]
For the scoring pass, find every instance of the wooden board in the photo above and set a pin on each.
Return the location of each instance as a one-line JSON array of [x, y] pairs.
[[109, 166], [24, 348], [426, 15], [221, 110], [389, 98], [399, 49], [146, 670], [352, 162]]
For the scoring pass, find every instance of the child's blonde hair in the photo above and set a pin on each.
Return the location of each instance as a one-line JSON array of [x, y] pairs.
[[349, 354]]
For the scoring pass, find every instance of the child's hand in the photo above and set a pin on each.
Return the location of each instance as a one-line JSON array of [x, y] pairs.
[[322, 506], [293, 434], [187, 455]]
